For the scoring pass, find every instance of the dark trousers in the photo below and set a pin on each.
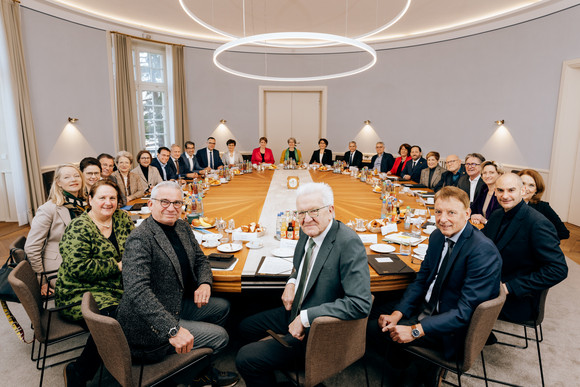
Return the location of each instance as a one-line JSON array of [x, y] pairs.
[[258, 360]]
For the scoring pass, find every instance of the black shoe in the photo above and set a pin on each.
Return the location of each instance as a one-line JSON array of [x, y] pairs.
[[72, 377], [223, 378], [491, 340], [201, 381]]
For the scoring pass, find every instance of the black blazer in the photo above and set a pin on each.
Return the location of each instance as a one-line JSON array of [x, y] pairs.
[[201, 156], [545, 209], [471, 277], [184, 166], [415, 173], [356, 159], [463, 183], [169, 168], [532, 259], [387, 162], [447, 179], [326, 158]]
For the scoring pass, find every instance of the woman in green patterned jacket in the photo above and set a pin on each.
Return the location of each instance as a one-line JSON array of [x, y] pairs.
[[92, 247]]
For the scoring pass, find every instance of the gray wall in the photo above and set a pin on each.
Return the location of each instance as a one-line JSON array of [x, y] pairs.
[[444, 96]]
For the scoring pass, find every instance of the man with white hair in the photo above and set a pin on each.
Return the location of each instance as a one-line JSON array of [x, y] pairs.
[[330, 278]]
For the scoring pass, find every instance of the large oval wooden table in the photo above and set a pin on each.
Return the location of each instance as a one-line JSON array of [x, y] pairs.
[[242, 199]]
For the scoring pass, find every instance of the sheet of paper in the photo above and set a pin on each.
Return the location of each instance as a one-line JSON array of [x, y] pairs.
[[368, 238], [276, 266], [245, 236], [288, 243], [389, 228], [383, 260], [420, 212]]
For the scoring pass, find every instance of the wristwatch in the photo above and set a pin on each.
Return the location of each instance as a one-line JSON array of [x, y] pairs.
[[173, 331], [415, 332]]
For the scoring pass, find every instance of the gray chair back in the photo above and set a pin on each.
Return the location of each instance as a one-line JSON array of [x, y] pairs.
[[482, 321], [110, 340], [17, 249], [25, 285]]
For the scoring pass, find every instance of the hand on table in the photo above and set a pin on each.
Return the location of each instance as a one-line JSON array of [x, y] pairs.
[[201, 295]]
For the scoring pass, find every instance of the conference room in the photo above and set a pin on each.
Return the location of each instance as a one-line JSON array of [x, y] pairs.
[[499, 79]]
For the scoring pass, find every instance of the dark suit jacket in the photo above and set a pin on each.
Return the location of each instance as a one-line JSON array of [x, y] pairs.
[[387, 162], [201, 156], [169, 168], [532, 259], [545, 209], [463, 183], [339, 283], [415, 173], [153, 283], [326, 158], [447, 179], [356, 159], [471, 277], [184, 167]]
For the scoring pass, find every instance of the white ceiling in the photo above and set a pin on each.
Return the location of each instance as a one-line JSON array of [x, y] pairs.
[[425, 18]]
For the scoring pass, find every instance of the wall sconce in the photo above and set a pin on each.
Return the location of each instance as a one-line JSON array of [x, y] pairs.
[[499, 122], [367, 122], [72, 120], [222, 121]]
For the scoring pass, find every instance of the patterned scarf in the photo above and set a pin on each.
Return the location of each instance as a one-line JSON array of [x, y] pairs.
[[76, 206]]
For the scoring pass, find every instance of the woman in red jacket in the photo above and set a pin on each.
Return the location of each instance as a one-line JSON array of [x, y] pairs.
[[404, 152], [262, 154]]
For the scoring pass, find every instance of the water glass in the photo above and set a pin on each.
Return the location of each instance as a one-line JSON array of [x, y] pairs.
[[405, 249]]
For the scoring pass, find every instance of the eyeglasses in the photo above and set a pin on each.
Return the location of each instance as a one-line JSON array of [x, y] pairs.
[[165, 203], [472, 164], [312, 213], [93, 173]]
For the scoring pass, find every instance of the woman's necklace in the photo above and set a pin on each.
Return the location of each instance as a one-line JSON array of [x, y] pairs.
[[99, 224]]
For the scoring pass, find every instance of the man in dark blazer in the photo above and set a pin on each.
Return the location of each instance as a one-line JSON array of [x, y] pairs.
[[530, 249], [413, 168], [382, 159], [471, 182], [188, 164], [167, 281], [353, 157], [461, 270], [337, 284], [454, 171], [166, 169], [209, 157]]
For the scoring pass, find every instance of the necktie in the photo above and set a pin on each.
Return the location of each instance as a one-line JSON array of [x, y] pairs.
[[303, 277], [351, 157], [414, 164], [176, 166], [211, 159], [434, 300]]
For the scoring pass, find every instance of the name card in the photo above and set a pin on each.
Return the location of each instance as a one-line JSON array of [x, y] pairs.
[[389, 228], [368, 238], [288, 243]]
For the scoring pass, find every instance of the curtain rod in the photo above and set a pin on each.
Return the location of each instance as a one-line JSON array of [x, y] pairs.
[[145, 39]]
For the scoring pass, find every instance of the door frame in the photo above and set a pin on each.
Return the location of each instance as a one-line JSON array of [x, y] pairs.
[[323, 90]]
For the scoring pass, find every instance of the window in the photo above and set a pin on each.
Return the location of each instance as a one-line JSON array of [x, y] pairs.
[[150, 64]]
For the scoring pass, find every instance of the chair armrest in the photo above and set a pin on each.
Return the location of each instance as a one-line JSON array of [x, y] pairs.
[[59, 308]]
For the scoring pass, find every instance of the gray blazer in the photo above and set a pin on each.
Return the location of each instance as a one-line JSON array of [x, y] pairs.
[[153, 283], [436, 176], [154, 177], [45, 233], [339, 284]]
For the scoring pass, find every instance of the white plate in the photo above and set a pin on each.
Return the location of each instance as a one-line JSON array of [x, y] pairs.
[[382, 248], [283, 252], [210, 245], [229, 247], [204, 227], [360, 229], [254, 245]]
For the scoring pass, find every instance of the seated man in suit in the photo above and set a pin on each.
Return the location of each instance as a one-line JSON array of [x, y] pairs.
[[413, 168], [167, 281], [166, 169], [461, 270], [175, 156], [382, 161], [107, 165], [472, 183], [209, 158], [529, 247], [330, 278], [454, 171], [188, 164], [354, 157]]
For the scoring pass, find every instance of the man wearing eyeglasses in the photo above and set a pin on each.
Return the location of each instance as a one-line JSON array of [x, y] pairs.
[[209, 157], [472, 183], [454, 171], [330, 278], [167, 279]]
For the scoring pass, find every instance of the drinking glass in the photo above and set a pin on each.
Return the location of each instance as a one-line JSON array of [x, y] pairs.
[[221, 226], [405, 249]]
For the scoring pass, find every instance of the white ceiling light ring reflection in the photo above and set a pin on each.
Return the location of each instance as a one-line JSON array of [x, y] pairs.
[[385, 26], [295, 35]]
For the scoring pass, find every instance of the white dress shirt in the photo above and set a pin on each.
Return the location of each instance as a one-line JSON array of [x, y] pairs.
[[472, 186]]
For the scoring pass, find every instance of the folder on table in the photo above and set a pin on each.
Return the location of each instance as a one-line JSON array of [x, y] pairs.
[[389, 264]]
